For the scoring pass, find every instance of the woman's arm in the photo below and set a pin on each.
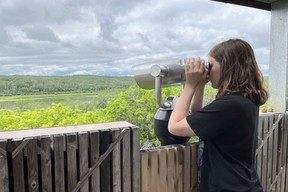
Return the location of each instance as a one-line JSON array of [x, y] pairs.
[[177, 123], [195, 74], [197, 101]]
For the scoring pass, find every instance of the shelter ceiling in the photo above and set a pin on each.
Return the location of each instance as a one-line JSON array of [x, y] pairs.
[[259, 4]]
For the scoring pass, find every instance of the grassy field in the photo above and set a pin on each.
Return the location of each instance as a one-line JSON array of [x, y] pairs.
[[86, 93], [83, 101], [83, 92]]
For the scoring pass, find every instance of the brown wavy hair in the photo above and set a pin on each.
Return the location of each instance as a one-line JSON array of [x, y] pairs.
[[240, 73]]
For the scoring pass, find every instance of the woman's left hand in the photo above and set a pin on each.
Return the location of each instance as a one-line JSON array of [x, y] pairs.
[[196, 72]]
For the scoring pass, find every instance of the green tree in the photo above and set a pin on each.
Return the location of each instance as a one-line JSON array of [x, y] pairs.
[[135, 105], [138, 106]]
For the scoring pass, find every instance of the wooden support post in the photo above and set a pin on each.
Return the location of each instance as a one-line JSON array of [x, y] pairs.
[[278, 57]]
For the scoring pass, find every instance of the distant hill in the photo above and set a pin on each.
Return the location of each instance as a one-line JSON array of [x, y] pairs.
[[38, 85]]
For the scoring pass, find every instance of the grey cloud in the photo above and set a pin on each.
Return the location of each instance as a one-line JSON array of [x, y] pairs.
[[4, 38], [41, 33], [107, 27], [110, 36], [21, 12]]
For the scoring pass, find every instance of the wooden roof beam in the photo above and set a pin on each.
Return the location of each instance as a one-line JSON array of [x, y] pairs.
[[249, 3]]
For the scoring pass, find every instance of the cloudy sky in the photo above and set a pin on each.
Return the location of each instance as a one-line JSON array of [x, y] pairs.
[[108, 37]]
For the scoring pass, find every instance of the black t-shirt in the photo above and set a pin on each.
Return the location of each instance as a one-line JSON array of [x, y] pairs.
[[228, 127]]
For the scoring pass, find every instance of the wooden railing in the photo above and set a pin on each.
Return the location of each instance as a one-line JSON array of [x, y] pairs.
[[171, 169], [102, 157], [107, 158], [271, 155]]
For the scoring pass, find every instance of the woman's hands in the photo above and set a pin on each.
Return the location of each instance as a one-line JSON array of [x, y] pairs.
[[196, 73], [196, 78]]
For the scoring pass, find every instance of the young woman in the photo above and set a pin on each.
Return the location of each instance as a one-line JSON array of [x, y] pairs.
[[228, 125]]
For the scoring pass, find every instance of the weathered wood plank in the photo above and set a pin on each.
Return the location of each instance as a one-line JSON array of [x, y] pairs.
[[116, 165], [105, 167], [275, 155], [46, 164], [286, 151], [59, 147], [285, 188], [260, 153], [278, 184], [95, 153], [260, 130], [18, 166], [145, 169], [179, 168], [4, 179], [83, 158], [126, 160], [171, 170], [270, 152], [154, 176], [265, 155], [281, 163], [187, 170], [163, 177], [32, 166], [136, 167], [284, 124], [277, 180], [72, 146], [280, 155], [28, 133], [194, 169]]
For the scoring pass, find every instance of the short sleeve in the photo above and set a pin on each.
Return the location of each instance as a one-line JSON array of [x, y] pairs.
[[213, 119]]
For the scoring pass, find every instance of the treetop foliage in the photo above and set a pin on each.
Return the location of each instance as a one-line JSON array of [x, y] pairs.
[[135, 105], [37, 85], [132, 104]]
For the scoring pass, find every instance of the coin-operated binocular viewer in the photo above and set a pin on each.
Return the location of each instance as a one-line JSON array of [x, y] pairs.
[[155, 76]]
